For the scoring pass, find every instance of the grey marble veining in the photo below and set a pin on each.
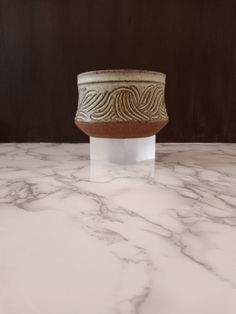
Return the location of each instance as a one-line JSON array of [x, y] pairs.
[[80, 237]]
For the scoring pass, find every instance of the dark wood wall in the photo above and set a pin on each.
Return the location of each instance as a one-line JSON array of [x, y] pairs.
[[44, 44]]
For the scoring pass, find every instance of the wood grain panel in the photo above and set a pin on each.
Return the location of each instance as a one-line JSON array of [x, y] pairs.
[[44, 44]]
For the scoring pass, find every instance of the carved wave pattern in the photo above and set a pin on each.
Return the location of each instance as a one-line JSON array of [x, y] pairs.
[[123, 104]]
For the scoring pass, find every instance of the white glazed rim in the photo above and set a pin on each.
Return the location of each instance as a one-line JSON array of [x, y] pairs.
[[117, 75]]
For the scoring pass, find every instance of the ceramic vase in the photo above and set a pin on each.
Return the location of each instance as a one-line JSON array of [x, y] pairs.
[[121, 103]]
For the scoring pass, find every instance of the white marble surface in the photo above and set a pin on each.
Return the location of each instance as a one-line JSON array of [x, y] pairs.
[[81, 238]]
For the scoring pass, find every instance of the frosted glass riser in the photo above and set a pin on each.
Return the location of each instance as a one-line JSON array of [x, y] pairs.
[[122, 151]]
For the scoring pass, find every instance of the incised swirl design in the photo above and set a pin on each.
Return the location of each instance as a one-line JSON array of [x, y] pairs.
[[123, 104]]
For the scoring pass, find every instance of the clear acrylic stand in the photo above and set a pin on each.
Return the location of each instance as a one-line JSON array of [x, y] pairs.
[[122, 151]]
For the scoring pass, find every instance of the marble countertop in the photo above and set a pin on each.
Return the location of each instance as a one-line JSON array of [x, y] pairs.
[[84, 238]]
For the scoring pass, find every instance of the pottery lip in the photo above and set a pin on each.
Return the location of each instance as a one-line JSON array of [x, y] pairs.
[[120, 75]]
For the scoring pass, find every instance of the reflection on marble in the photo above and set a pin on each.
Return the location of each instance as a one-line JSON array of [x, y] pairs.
[[150, 238]]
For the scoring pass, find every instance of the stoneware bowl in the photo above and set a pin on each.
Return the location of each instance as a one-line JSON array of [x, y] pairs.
[[121, 103]]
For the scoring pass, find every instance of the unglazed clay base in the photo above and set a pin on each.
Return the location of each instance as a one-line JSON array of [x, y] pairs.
[[121, 129]]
